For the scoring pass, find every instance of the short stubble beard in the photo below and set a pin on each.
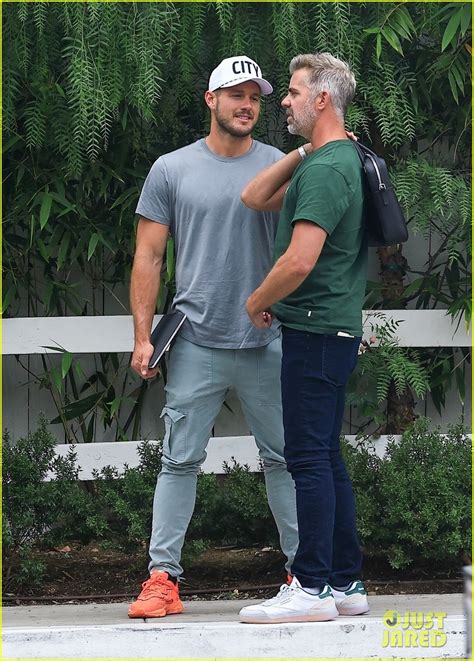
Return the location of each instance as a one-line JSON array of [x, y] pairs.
[[304, 124], [227, 127]]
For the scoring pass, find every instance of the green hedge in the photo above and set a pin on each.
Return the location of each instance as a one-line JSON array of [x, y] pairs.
[[413, 504]]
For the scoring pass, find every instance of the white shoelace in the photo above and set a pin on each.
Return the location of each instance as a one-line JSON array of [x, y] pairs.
[[284, 590]]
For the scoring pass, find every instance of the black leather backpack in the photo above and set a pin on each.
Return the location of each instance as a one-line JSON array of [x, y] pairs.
[[386, 225]]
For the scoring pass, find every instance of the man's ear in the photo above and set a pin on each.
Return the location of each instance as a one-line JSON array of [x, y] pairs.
[[210, 99], [322, 101]]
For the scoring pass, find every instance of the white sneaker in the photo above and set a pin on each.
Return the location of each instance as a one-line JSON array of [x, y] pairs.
[[352, 601], [292, 604]]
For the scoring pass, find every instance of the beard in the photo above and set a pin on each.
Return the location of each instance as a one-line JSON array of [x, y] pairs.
[[226, 125], [303, 123]]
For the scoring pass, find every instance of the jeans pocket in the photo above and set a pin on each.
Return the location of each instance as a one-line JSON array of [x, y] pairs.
[[174, 441], [339, 358]]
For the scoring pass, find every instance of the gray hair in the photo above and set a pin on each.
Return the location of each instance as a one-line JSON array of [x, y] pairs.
[[328, 74]]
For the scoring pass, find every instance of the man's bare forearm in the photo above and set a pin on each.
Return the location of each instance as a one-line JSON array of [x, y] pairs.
[[289, 272], [144, 290], [286, 276], [266, 190]]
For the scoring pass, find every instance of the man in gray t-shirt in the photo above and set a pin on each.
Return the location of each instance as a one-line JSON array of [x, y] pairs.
[[223, 252], [222, 247]]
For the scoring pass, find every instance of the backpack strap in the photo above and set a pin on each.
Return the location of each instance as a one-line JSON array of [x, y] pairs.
[[363, 150]]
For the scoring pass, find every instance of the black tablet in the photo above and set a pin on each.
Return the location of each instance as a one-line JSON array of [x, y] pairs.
[[164, 333]]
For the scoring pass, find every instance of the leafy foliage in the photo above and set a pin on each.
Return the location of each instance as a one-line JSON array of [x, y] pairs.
[[364, 466], [126, 498], [35, 510], [414, 503], [379, 366], [234, 510], [426, 487], [437, 203]]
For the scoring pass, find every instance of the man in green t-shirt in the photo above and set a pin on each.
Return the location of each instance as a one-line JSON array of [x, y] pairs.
[[316, 289]]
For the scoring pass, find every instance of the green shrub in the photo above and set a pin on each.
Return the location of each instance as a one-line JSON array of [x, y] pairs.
[[192, 550], [364, 467], [38, 511], [233, 509], [426, 492], [126, 500]]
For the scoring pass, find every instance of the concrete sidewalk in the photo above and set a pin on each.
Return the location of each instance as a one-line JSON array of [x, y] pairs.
[[210, 630]]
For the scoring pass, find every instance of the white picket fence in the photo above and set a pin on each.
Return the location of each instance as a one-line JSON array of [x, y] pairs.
[[87, 335]]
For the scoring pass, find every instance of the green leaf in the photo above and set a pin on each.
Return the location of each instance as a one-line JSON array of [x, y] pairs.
[[79, 371], [94, 240], [45, 209], [121, 198], [404, 18], [412, 287], [453, 86], [115, 174], [451, 29], [66, 363], [43, 250], [90, 430], [114, 406], [104, 242], [378, 47], [457, 74], [402, 24], [392, 39], [58, 197], [79, 407], [58, 348], [8, 298], [466, 13], [56, 379]]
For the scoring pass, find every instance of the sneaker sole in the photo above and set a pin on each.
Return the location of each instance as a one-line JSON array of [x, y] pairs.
[[162, 612], [317, 617], [355, 610]]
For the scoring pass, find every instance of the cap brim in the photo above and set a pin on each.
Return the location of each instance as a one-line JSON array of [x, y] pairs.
[[264, 85]]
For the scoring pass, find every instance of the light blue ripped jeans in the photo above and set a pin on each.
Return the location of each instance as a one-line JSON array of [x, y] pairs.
[[198, 380]]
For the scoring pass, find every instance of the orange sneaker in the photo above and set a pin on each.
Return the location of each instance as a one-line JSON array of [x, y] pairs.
[[159, 597]]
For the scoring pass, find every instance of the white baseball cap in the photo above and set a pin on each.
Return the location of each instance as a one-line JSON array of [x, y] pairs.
[[235, 70]]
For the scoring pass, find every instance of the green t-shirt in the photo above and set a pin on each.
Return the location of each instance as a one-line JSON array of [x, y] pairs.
[[327, 189]]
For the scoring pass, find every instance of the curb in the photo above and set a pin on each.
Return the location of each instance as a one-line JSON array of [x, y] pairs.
[[343, 638]]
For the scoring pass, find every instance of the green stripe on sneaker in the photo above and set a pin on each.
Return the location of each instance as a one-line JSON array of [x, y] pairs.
[[358, 588], [325, 593]]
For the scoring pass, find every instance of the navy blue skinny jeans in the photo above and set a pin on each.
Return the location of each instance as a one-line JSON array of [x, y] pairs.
[[315, 370]]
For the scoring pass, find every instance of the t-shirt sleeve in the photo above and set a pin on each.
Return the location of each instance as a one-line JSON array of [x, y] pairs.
[[154, 202], [323, 197]]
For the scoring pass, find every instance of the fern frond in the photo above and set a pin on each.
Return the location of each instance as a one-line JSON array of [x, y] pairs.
[[35, 124], [224, 11], [383, 384]]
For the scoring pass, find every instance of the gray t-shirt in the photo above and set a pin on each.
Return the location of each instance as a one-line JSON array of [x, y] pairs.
[[223, 249]]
